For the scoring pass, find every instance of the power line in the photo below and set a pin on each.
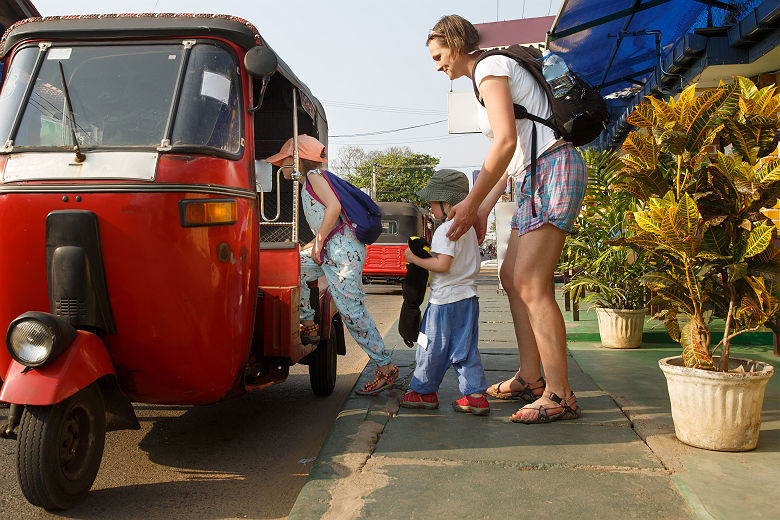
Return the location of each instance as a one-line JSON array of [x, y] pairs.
[[387, 131], [395, 109], [406, 167], [400, 141]]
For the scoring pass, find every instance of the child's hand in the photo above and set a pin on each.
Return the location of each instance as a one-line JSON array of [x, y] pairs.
[[409, 256], [480, 226], [316, 252]]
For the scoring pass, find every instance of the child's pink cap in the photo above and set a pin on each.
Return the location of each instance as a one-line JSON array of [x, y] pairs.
[[308, 148]]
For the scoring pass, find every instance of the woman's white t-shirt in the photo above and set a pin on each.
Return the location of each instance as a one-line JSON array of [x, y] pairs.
[[460, 281], [526, 91]]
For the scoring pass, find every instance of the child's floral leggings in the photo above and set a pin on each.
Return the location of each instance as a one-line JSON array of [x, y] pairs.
[[343, 268]]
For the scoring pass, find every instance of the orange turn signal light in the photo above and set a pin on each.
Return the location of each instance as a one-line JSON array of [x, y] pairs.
[[208, 212]]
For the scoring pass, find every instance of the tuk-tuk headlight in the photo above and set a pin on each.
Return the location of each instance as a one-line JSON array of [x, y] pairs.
[[37, 338]]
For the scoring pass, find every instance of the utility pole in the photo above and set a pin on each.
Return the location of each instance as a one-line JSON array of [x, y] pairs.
[[373, 180]]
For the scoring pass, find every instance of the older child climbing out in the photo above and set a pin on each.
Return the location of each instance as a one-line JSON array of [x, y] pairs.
[[341, 263], [450, 324]]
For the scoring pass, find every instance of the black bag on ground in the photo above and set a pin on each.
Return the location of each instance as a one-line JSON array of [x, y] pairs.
[[414, 286]]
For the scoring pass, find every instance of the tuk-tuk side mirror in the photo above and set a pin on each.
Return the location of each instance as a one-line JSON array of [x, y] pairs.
[[263, 176], [260, 61]]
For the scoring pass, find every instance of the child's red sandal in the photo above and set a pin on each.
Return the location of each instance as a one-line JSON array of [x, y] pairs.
[[472, 405], [412, 399]]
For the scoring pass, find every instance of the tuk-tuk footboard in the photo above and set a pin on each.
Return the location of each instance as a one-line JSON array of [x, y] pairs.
[[277, 310], [266, 372]]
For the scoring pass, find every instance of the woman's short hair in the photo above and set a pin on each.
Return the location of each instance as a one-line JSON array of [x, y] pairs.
[[456, 33]]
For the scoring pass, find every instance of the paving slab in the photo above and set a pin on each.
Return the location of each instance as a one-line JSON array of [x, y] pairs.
[[469, 491]]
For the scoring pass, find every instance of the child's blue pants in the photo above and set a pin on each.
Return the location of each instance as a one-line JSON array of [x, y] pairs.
[[452, 330]]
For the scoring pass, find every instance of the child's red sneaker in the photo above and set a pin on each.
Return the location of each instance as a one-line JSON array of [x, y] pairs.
[[468, 404], [412, 399]]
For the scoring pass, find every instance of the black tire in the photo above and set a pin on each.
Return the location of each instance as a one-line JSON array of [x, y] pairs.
[[60, 448], [322, 363]]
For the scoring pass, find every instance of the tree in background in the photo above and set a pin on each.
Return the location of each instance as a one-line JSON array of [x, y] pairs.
[[400, 173]]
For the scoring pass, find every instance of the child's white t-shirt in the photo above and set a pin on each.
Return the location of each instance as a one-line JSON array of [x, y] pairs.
[[460, 282], [525, 91]]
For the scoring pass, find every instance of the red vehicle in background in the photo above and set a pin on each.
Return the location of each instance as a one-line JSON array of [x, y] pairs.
[[385, 258], [149, 254]]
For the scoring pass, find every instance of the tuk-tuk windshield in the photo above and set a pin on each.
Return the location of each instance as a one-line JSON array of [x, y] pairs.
[[121, 96]]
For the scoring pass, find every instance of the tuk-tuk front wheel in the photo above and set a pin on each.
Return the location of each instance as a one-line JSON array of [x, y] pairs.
[[322, 362], [60, 448]]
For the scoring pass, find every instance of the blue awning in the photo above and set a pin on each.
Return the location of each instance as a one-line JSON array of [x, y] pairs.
[[632, 48], [613, 42]]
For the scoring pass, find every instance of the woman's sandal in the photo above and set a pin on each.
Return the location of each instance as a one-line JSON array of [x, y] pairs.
[[543, 414], [526, 394], [310, 333], [379, 383]]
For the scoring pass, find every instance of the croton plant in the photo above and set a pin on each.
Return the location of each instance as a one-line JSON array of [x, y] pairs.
[[695, 164]]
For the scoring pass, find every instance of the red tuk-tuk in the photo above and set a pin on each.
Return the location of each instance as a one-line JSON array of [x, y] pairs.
[[149, 254], [385, 261]]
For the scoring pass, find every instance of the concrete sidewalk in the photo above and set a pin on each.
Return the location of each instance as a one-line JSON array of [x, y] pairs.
[[620, 460]]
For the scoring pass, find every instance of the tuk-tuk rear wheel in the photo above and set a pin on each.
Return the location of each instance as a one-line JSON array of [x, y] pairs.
[[322, 363], [60, 448]]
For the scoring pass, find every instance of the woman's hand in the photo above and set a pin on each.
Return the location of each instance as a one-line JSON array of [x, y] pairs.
[[409, 256], [463, 216]]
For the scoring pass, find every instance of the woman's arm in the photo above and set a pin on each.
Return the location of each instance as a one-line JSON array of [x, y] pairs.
[[498, 103], [480, 225], [332, 211], [436, 264]]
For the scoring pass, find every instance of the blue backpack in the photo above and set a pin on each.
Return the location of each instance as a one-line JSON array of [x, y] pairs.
[[357, 208]]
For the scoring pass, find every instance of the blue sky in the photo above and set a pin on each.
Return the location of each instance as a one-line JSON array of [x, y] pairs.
[[366, 61]]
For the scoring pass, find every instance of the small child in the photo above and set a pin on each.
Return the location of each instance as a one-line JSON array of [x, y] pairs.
[[450, 324]]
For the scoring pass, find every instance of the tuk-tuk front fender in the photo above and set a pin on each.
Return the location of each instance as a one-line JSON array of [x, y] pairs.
[[85, 361]]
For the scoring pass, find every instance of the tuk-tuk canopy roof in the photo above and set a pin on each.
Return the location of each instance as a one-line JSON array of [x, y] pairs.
[[149, 25], [124, 26], [11, 11], [399, 209]]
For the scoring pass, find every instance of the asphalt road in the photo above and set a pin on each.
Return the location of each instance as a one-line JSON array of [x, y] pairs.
[[244, 458]]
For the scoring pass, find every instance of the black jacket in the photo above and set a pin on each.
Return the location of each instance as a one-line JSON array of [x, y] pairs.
[[414, 286]]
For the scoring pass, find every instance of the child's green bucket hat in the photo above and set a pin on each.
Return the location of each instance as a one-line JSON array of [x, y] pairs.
[[446, 185]]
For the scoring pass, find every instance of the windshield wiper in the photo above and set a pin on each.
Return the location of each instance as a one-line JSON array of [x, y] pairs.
[[80, 157]]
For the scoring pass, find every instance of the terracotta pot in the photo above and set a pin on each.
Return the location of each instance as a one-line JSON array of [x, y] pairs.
[[620, 328], [717, 410]]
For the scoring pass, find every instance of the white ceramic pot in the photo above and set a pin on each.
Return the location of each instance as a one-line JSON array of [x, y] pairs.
[[717, 410], [620, 328]]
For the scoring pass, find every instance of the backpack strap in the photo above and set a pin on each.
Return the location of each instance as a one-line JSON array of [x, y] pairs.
[[324, 173], [533, 168], [522, 113], [339, 227]]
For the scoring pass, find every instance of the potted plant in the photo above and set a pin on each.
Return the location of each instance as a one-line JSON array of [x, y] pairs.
[[606, 273], [711, 246]]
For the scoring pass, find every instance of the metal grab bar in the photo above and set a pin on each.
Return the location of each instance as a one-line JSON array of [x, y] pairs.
[[297, 164]]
